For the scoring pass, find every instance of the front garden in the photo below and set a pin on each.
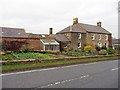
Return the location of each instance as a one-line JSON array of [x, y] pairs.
[[26, 55], [92, 51]]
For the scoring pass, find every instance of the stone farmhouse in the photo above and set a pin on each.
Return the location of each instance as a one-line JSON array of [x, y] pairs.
[[80, 35]]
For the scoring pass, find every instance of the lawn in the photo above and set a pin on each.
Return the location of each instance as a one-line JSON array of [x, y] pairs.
[[19, 67], [28, 55]]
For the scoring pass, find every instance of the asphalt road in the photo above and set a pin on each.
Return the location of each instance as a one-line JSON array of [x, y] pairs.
[[93, 75]]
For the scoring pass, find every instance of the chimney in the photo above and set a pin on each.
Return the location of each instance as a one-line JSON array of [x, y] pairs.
[[50, 31], [75, 20], [99, 24]]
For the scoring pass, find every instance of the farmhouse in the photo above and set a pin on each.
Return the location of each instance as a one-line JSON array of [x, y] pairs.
[[80, 35]]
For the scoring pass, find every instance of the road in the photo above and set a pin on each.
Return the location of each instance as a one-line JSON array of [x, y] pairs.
[[93, 75]]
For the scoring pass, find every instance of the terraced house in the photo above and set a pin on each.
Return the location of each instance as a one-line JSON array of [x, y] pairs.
[[80, 34]]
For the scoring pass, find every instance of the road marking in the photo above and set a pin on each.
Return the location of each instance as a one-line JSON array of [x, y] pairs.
[[84, 76], [64, 81], [115, 68], [23, 72], [30, 71], [90, 63]]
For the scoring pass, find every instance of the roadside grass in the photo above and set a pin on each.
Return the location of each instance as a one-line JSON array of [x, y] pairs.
[[22, 67]]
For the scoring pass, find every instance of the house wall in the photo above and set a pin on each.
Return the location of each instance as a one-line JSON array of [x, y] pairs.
[[95, 42], [82, 40], [86, 40], [32, 43]]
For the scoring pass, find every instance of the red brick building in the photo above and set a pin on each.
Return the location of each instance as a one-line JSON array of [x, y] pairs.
[[16, 39]]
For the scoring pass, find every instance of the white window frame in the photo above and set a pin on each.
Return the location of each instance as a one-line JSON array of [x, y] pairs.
[[99, 36], [92, 36], [79, 45], [79, 36], [99, 44], [106, 37]]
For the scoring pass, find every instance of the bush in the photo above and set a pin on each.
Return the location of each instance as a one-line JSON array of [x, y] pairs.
[[102, 52], [26, 49], [104, 47], [110, 51], [88, 49], [97, 48]]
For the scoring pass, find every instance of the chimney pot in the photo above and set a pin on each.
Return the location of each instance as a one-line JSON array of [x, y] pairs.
[[50, 31], [99, 24], [75, 20]]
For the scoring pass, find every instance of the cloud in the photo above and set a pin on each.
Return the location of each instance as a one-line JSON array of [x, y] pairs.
[[38, 15]]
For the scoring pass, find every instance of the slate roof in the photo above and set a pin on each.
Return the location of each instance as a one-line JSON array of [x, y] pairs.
[[40, 36], [83, 28], [61, 38], [12, 32]]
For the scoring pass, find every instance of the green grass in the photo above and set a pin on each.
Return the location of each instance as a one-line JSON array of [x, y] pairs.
[[51, 64], [28, 55]]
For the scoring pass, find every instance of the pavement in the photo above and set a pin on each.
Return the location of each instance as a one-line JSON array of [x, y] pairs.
[[92, 75]]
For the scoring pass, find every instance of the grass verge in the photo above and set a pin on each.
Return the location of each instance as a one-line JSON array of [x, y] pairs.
[[23, 67]]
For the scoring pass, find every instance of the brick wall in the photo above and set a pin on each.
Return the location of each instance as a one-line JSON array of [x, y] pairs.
[[33, 43]]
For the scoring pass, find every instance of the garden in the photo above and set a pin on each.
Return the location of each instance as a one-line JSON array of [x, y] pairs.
[[91, 51], [26, 55]]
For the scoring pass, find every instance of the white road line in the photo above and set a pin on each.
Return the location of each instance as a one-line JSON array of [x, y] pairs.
[[115, 68], [84, 76], [90, 63], [65, 81], [23, 72], [30, 71]]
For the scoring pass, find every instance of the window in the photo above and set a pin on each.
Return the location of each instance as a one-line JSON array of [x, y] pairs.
[[106, 37], [79, 35], [99, 37], [79, 45], [92, 36], [100, 44]]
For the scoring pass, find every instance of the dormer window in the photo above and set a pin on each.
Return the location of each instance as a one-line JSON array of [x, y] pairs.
[[99, 36], [92, 36]]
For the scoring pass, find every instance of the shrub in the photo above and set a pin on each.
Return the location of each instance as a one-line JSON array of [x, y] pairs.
[[110, 51], [97, 48], [88, 49], [104, 47], [102, 52]]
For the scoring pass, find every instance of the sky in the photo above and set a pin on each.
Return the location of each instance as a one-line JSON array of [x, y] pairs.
[[37, 16]]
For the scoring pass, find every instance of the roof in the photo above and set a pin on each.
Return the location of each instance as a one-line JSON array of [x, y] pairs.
[[61, 38], [12, 32], [116, 41], [49, 41], [94, 28], [83, 28], [41, 36]]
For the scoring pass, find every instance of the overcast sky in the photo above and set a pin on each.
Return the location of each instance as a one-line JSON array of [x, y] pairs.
[[37, 16]]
